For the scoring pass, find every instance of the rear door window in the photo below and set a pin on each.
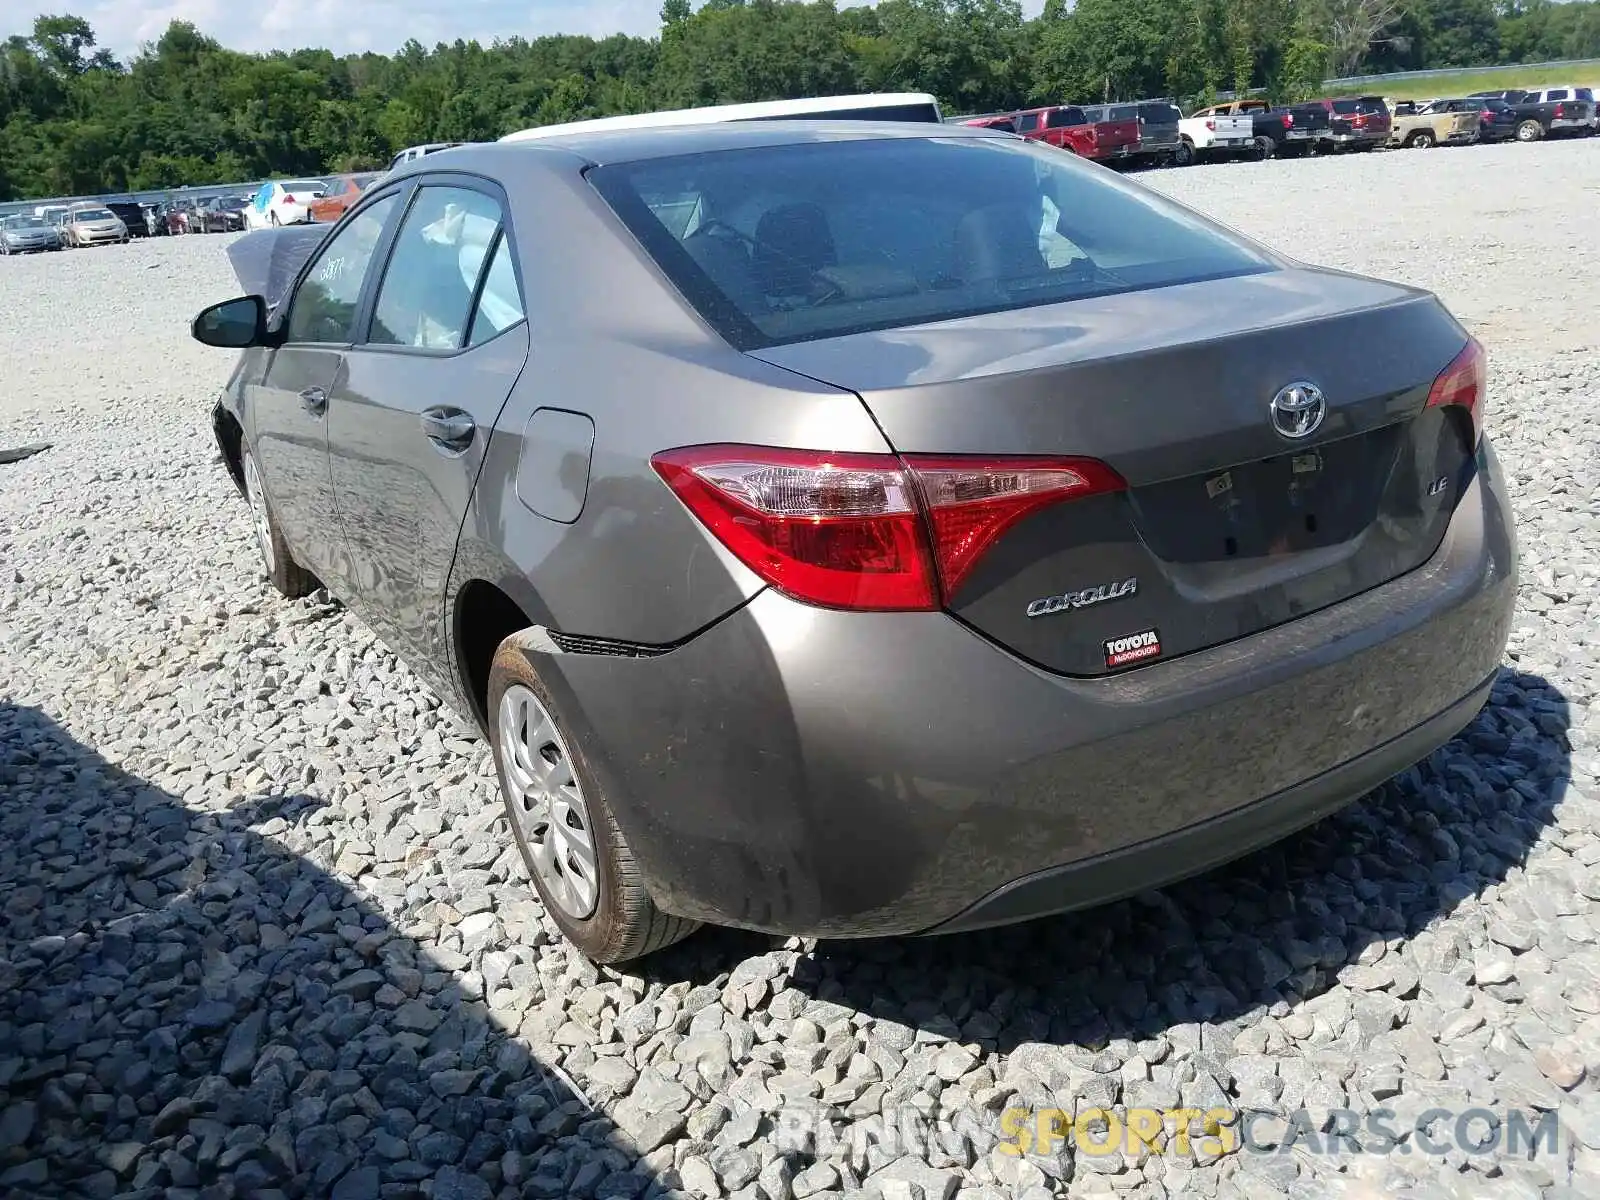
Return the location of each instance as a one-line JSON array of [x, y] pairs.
[[425, 300], [1558, 94], [814, 240]]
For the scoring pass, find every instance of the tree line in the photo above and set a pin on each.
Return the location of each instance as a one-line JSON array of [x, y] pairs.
[[186, 110]]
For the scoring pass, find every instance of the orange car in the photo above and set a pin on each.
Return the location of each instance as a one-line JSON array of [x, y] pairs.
[[345, 191]]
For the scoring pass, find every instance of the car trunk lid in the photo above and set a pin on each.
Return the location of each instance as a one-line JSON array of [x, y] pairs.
[[1226, 526]]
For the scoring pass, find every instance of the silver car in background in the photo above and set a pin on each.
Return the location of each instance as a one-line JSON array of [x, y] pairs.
[[27, 234]]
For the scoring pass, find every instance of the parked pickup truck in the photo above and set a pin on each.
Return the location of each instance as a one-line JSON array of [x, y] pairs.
[[1068, 127], [1211, 133], [1569, 92], [1117, 127], [1538, 118], [1419, 127], [1356, 122]]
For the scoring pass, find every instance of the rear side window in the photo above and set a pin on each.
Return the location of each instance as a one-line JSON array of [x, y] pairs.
[[1583, 94], [426, 296], [1558, 94], [500, 302], [797, 242]]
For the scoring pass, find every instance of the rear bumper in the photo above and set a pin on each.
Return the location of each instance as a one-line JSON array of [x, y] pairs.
[[832, 774], [1356, 139]]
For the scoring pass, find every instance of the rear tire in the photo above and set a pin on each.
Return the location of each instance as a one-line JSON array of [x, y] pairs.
[[288, 576], [1422, 139], [1266, 148], [1530, 131], [1183, 156], [612, 918]]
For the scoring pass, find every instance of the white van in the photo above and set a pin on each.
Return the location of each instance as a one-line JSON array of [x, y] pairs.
[[892, 106]]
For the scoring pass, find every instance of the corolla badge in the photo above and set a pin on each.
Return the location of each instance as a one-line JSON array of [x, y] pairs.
[[1297, 410], [1046, 605]]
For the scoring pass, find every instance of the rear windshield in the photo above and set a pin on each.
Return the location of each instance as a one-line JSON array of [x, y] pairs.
[[1065, 118], [795, 242], [1160, 114]]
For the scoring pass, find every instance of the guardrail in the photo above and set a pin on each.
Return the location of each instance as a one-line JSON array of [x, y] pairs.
[[1583, 69]]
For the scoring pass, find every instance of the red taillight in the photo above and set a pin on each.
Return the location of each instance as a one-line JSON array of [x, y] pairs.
[[1212, 126], [1561, 111], [1288, 120], [867, 531], [1359, 121], [1487, 115], [1463, 383]]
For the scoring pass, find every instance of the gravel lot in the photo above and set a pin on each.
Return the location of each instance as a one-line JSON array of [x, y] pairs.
[[264, 935]]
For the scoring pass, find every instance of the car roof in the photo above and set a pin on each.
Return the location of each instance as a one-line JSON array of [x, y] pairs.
[[605, 146]]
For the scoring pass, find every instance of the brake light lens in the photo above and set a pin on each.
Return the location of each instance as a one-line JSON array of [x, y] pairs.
[[867, 531], [1464, 382], [1360, 121], [1561, 111], [1211, 125], [1288, 120]]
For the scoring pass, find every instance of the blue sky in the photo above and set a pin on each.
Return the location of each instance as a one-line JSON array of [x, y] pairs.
[[354, 25]]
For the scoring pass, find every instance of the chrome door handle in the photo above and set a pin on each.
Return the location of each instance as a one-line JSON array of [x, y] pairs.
[[314, 400], [449, 429]]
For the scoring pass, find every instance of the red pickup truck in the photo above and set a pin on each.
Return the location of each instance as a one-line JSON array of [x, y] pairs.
[[1066, 126]]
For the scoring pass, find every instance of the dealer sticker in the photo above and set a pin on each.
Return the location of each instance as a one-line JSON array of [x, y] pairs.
[[1133, 648]]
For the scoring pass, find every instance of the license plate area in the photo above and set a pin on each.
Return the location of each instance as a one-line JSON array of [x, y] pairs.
[[1300, 500]]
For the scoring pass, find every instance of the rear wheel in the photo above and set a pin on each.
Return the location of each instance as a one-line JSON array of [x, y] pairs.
[[577, 856], [1422, 139], [1183, 156], [1265, 147], [1530, 131], [288, 576]]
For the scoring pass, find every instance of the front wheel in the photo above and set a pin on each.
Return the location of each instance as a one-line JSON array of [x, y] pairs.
[[576, 854], [1530, 131], [1183, 156], [288, 576]]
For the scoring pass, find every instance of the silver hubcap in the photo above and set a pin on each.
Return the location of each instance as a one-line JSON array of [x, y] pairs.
[[547, 802], [258, 511]]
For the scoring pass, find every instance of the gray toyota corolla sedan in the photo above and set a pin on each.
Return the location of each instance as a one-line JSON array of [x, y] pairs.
[[862, 529]]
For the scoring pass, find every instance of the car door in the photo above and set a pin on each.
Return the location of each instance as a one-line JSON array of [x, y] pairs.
[[412, 413], [286, 412]]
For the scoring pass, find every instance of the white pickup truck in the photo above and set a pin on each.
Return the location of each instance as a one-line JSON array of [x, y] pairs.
[[1215, 131]]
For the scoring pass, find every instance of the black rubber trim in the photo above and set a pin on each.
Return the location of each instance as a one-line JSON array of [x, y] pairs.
[[1199, 848]]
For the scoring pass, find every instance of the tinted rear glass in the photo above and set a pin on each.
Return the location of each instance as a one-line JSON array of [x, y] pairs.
[[1122, 112], [1346, 106], [1064, 118], [1583, 93], [789, 243], [1160, 114]]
